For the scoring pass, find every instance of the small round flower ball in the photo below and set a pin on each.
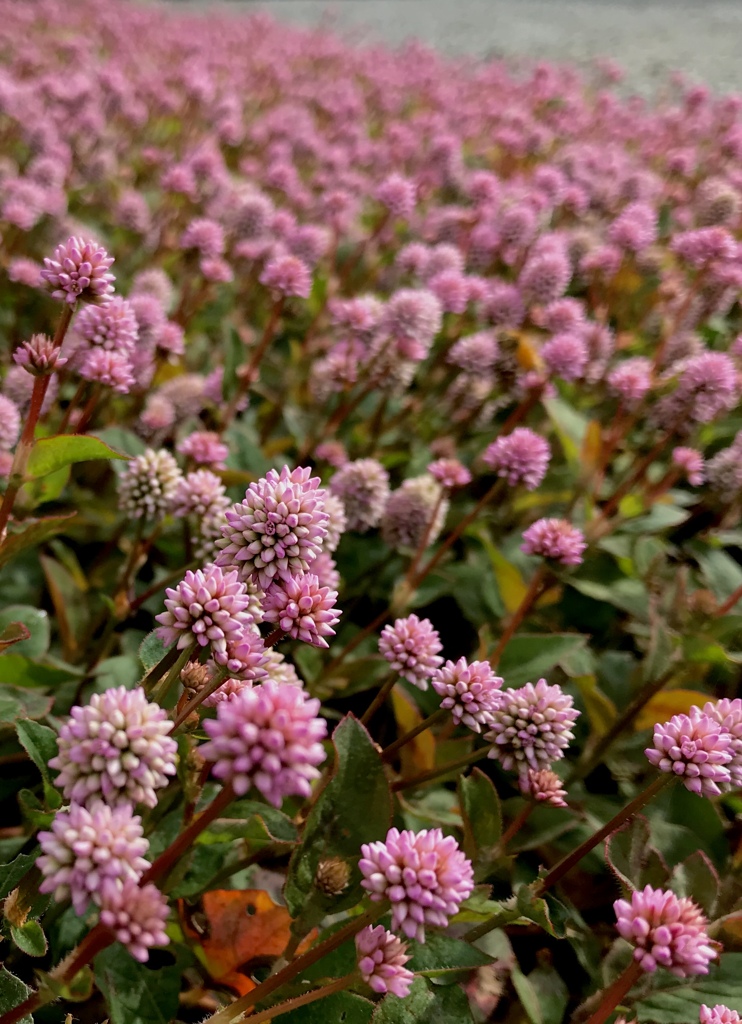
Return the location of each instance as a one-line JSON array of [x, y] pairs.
[[245, 656], [111, 326], [469, 690], [630, 381], [532, 727], [337, 522], [474, 353], [85, 847], [331, 452], [423, 874], [40, 356], [147, 485], [205, 236], [666, 931], [555, 539], [414, 514], [116, 748], [206, 448], [10, 424], [412, 646], [449, 473], [325, 569], [381, 961], [397, 194], [719, 1014], [198, 492], [565, 356], [278, 529], [268, 736], [287, 275], [690, 461], [412, 317], [696, 748], [728, 713], [79, 270], [363, 488], [303, 608], [208, 606], [520, 457], [135, 914], [111, 369]]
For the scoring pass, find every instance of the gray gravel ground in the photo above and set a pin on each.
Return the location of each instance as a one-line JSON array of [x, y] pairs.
[[647, 37]]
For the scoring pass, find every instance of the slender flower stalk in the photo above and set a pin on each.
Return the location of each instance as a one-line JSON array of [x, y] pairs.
[[539, 583], [162, 689], [303, 1000], [416, 781], [25, 444], [615, 993], [383, 692], [197, 700], [295, 967], [388, 753], [246, 377], [517, 823]]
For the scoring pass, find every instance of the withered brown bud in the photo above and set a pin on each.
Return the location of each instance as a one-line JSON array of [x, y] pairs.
[[702, 602], [15, 909], [194, 676], [332, 876]]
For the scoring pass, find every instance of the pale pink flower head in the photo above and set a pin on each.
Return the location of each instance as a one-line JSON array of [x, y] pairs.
[[209, 606], [532, 727], [117, 749], [363, 488], [199, 492], [544, 786], [246, 655], [561, 316], [278, 529], [520, 457], [79, 270], [708, 386], [449, 473], [470, 690], [475, 353], [147, 485], [206, 448], [268, 736], [10, 423], [555, 539], [565, 356], [337, 524], [204, 235], [728, 713], [303, 608], [704, 245], [545, 277], [424, 875], [451, 288], [696, 748], [412, 646], [631, 380], [111, 326], [112, 369], [135, 914], [414, 514], [397, 194], [287, 275], [331, 452], [381, 961], [691, 462], [85, 847], [412, 317], [666, 931], [719, 1014]]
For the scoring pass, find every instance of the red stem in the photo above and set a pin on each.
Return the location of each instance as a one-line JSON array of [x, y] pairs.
[[614, 994]]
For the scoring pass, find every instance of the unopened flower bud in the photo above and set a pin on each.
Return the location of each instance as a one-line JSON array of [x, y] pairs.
[[332, 876], [194, 676], [39, 356]]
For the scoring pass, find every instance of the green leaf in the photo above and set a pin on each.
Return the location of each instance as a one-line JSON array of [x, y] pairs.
[[626, 594], [136, 993], [16, 704], [697, 877], [355, 807], [543, 994], [536, 909], [14, 633], [440, 954], [52, 453], [12, 873], [34, 533], [40, 743], [12, 992], [30, 938], [529, 656], [569, 425], [151, 651], [425, 1004], [480, 809], [17, 670], [342, 1006], [37, 623], [267, 821], [679, 1000], [121, 440], [632, 857]]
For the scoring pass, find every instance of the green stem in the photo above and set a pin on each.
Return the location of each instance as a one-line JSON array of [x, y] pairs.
[[162, 689], [295, 967], [384, 690], [445, 769], [388, 753], [162, 666]]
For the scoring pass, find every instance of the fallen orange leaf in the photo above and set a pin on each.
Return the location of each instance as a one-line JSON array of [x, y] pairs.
[[666, 704], [240, 930]]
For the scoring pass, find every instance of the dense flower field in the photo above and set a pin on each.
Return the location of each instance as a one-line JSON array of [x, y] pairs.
[[369, 535]]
